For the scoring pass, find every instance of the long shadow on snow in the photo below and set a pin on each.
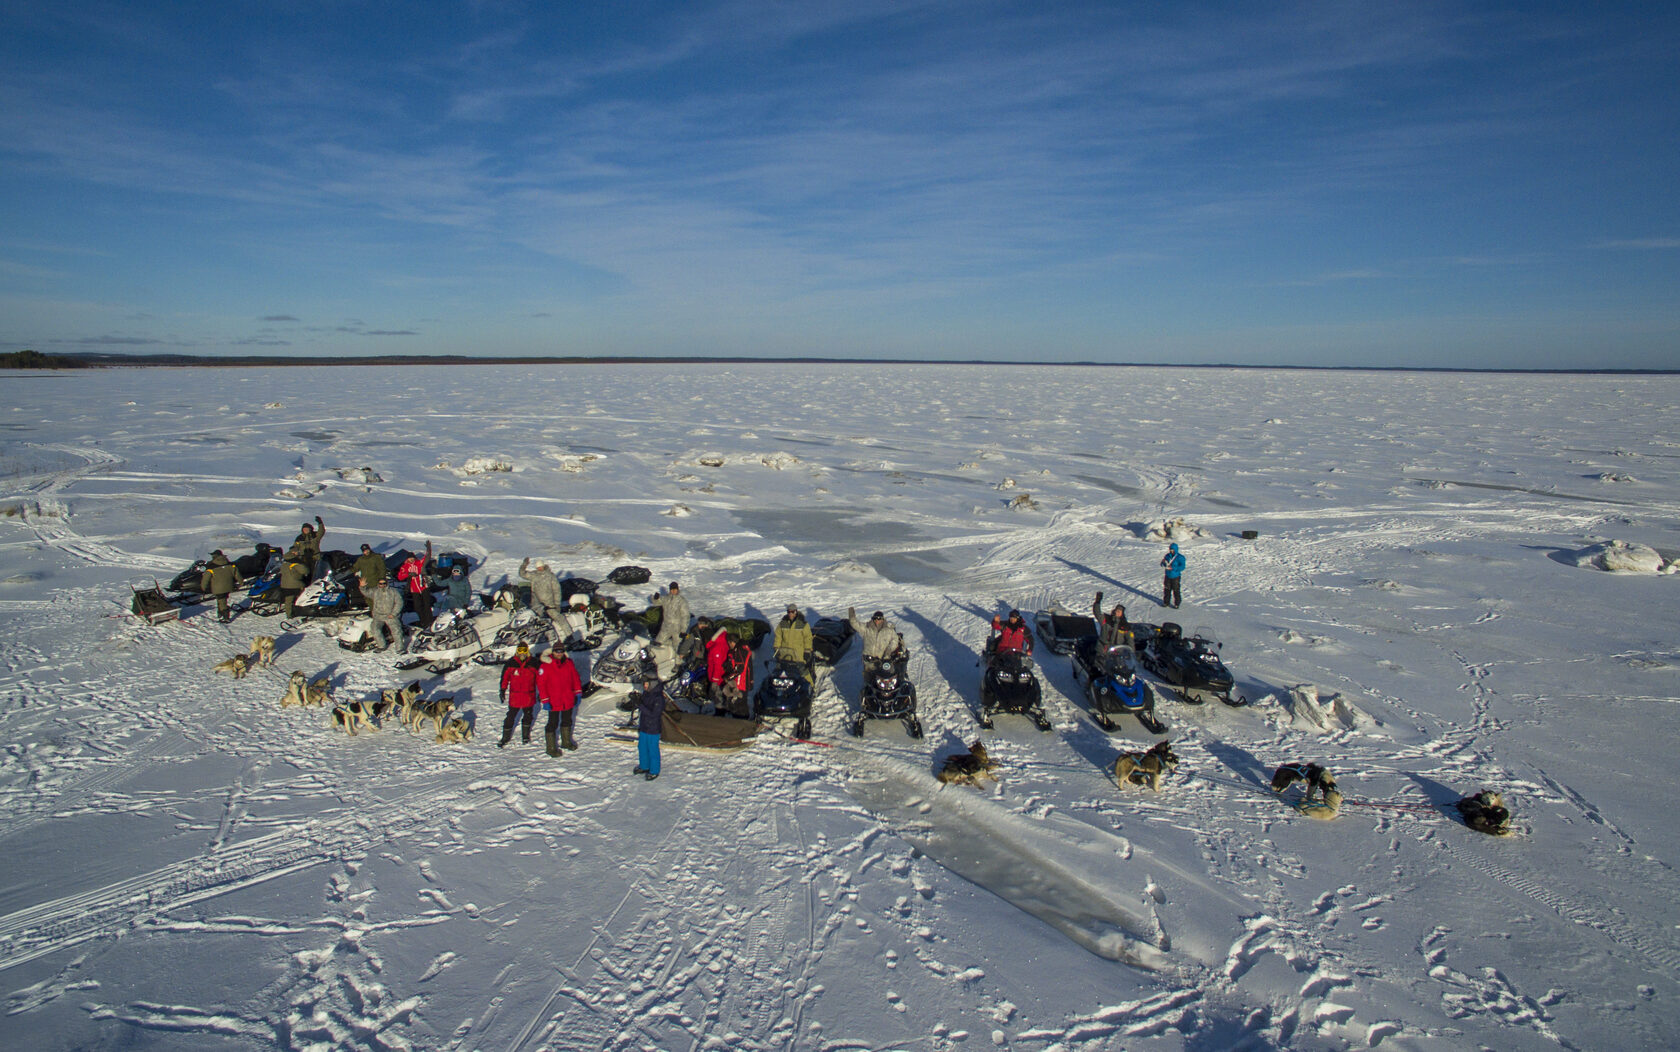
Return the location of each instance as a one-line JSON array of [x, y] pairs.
[[955, 661], [1116, 582], [1242, 763]]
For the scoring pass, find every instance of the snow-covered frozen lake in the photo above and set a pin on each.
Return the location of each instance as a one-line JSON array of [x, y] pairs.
[[184, 864]]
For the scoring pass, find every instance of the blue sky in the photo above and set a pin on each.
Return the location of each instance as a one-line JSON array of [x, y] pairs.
[[1338, 183]]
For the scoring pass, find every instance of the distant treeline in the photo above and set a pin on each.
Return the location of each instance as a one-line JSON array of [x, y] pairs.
[[37, 360]]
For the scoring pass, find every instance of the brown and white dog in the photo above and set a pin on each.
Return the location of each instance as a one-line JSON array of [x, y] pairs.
[[319, 692], [235, 666], [263, 648], [967, 768], [296, 686], [1146, 768], [456, 732]]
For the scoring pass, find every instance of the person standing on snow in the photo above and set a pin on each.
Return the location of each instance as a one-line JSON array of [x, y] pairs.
[[673, 617], [650, 724], [558, 685], [519, 693], [308, 542], [369, 565], [1174, 563], [219, 579], [415, 570]]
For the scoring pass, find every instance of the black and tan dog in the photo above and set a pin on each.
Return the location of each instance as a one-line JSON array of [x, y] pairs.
[[1146, 768], [437, 709], [967, 768], [1318, 780]]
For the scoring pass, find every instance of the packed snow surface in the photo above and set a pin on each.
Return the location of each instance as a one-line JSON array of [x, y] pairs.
[[1424, 609]]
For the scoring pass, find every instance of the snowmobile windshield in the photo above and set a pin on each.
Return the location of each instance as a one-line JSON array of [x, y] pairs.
[[1120, 661]]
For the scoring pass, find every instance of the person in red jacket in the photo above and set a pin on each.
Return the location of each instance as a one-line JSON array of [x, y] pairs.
[[1011, 635], [737, 680], [717, 656], [519, 692], [414, 571], [558, 686]]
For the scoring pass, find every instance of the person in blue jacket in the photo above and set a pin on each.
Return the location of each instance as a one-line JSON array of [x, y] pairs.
[[1174, 563]]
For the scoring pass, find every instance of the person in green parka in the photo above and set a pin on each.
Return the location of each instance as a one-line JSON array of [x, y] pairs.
[[793, 640], [295, 569], [220, 578], [308, 542]]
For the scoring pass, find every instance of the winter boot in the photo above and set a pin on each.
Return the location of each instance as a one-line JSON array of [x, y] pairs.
[[507, 736], [566, 741], [550, 744]]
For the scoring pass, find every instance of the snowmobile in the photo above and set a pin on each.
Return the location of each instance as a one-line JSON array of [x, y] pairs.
[[1113, 686], [622, 669], [888, 693], [786, 693], [454, 635], [1062, 630], [252, 565], [830, 638], [1009, 685], [1191, 667], [334, 595], [525, 626]]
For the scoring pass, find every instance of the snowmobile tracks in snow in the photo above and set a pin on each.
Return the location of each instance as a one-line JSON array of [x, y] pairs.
[[75, 919]]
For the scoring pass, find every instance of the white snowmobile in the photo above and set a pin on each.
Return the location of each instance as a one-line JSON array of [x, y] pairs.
[[454, 636]]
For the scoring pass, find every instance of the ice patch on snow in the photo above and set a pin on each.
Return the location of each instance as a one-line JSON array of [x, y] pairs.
[[1313, 710], [485, 465], [1622, 557]]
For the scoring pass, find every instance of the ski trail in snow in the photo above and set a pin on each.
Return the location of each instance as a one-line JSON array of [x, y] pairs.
[[75, 919]]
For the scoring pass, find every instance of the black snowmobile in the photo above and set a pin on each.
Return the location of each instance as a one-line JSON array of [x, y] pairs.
[[1113, 686], [888, 693], [1009, 685], [786, 694], [252, 565], [1191, 667]]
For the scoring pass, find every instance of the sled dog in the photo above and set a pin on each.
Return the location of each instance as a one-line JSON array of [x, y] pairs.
[[436, 709], [235, 666], [263, 648], [295, 687], [319, 692], [1146, 768], [457, 731], [967, 768]]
